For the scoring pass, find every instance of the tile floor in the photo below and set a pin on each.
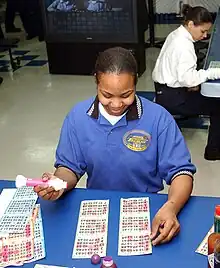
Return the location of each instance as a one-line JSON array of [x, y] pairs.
[[33, 104]]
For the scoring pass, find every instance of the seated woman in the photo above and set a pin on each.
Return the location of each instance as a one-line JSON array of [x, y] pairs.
[[177, 81], [125, 143]]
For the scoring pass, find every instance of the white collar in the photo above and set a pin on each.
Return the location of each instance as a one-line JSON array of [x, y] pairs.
[[111, 118], [186, 33]]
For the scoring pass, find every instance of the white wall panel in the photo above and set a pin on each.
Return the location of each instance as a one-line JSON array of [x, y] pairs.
[[171, 6]]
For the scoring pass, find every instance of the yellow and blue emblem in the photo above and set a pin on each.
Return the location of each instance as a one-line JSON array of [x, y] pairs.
[[137, 140]]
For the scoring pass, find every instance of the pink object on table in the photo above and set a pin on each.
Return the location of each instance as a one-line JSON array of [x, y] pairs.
[[108, 262]]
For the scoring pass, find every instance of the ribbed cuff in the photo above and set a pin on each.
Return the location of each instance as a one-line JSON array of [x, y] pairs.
[[183, 172]]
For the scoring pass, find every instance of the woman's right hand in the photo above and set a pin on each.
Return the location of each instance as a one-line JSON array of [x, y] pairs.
[[47, 192]]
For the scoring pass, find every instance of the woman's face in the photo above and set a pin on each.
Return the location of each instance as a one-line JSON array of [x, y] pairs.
[[116, 92], [199, 32]]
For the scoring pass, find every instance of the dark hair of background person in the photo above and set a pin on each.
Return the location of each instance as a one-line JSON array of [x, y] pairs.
[[199, 15]]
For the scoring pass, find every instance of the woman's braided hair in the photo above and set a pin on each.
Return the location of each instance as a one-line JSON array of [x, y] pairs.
[[116, 60]]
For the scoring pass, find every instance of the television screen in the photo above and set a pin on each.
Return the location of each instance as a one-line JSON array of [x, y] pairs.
[[90, 20]]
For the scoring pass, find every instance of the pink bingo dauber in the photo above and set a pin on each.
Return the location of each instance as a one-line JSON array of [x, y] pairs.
[[56, 183]]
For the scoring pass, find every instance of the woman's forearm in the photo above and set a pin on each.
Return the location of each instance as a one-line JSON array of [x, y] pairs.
[[180, 191]]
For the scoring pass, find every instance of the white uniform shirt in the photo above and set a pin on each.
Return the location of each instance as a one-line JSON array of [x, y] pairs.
[[177, 62]]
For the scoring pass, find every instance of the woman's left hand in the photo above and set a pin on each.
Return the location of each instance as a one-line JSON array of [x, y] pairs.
[[165, 224]]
